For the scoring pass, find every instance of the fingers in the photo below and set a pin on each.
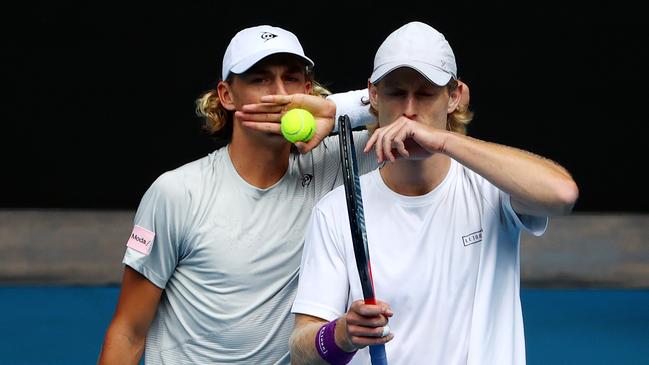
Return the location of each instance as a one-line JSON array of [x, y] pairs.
[[263, 127], [304, 147], [279, 104], [262, 112], [398, 138], [386, 331], [370, 310], [407, 139], [388, 140], [265, 117], [264, 108], [361, 342], [296, 100], [290, 101], [318, 106], [266, 120], [376, 141], [368, 324]]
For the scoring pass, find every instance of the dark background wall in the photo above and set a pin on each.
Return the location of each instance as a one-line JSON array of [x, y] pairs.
[[99, 97]]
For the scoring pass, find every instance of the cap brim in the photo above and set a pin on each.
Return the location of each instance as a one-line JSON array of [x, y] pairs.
[[251, 60], [433, 74]]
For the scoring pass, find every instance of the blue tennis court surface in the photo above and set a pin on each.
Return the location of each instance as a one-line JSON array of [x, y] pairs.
[[65, 325]]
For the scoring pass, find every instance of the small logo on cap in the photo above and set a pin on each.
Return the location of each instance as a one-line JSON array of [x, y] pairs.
[[267, 35]]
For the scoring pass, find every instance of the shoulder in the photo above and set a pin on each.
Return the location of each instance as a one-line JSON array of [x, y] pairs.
[[475, 186], [331, 201], [178, 182], [332, 143], [361, 135], [334, 202], [497, 201], [470, 178]]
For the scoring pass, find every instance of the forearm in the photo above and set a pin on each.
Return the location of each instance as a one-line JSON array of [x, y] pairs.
[[302, 345], [136, 307], [538, 186], [121, 348], [303, 341], [351, 103]]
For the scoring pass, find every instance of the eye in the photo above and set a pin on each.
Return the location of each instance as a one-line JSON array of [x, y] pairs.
[[394, 92], [428, 92], [295, 77]]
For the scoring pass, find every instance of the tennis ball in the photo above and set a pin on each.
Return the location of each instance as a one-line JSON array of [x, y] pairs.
[[298, 125]]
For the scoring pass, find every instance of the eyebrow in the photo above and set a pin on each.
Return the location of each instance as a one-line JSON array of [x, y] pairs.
[[262, 69], [399, 85], [256, 71]]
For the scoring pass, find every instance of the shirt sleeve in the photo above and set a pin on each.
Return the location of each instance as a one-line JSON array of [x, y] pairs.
[[323, 285], [532, 224], [501, 201], [351, 103], [162, 211]]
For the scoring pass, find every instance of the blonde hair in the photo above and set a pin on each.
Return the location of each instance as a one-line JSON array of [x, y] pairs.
[[457, 121], [218, 120]]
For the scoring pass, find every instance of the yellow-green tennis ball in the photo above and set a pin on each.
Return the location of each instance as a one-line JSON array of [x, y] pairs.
[[298, 125]]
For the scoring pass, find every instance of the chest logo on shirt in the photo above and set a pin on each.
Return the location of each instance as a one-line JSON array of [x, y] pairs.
[[472, 238], [306, 180]]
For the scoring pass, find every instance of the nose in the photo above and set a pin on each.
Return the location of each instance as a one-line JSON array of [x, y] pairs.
[[410, 107], [278, 87]]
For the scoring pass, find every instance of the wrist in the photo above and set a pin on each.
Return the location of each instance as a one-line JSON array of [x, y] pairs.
[[342, 340], [328, 348], [353, 104]]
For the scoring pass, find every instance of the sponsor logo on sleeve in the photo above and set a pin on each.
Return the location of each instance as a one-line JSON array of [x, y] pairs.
[[141, 240]]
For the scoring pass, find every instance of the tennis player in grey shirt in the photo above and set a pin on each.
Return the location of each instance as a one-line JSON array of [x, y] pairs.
[[211, 266]]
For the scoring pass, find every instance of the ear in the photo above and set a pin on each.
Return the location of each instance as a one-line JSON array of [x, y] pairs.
[[463, 100], [225, 95], [309, 87], [373, 93], [454, 99], [464, 94]]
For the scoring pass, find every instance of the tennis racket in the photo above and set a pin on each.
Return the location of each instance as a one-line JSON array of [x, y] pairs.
[[354, 199]]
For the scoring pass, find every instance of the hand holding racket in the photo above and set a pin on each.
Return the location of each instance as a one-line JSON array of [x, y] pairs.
[[354, 199]]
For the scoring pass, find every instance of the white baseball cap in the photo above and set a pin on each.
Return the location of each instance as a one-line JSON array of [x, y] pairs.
[[250, 45], [420, 47]]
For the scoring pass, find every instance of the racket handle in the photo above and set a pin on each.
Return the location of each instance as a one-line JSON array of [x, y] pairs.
[[377, 354]]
